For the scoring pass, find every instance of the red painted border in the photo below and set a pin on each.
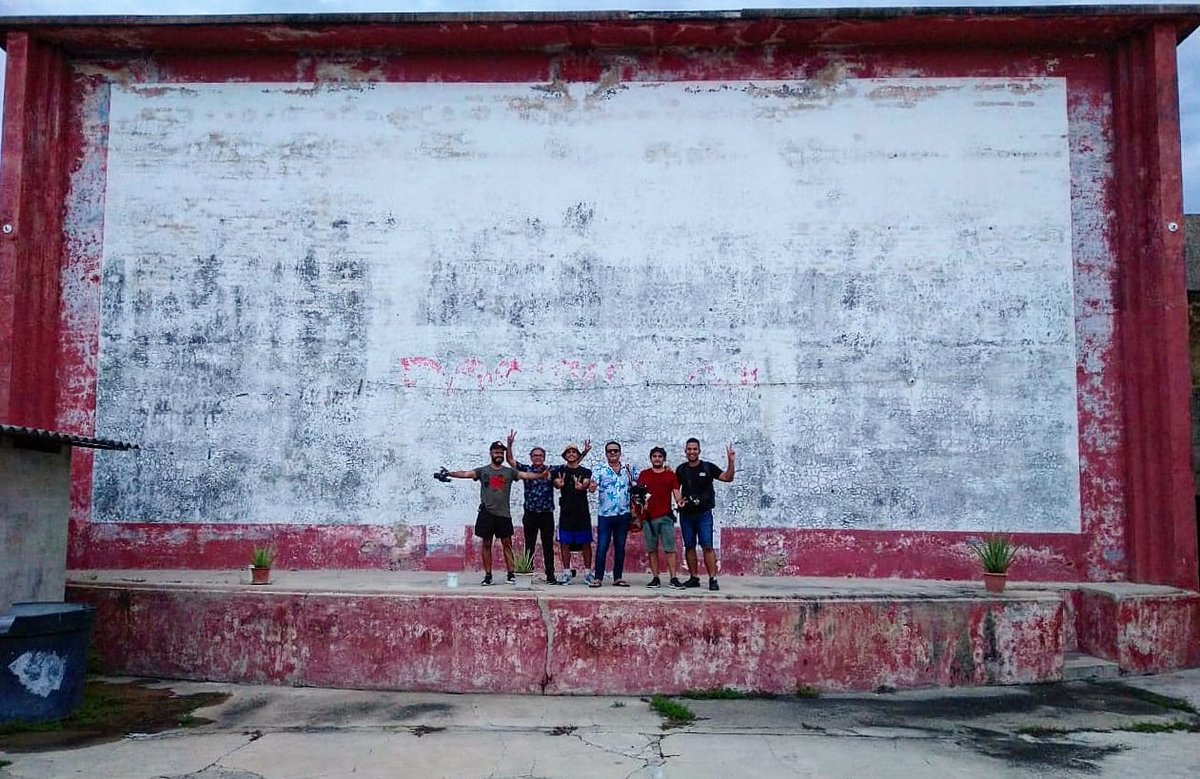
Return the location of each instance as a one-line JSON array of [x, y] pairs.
[[32, 193], [1153, 317]]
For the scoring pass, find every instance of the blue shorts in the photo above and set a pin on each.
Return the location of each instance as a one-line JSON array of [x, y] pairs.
[[693, 525], [575, 536]]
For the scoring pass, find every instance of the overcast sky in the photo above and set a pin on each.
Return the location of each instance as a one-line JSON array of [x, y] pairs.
[[1189, 51]]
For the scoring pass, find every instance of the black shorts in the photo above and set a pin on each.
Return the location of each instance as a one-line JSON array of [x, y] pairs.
[[489, 525]]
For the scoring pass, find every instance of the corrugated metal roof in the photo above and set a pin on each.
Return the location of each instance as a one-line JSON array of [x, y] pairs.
[[37, 435]]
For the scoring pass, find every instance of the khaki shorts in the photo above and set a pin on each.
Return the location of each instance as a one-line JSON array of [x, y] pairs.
[[661, 530]]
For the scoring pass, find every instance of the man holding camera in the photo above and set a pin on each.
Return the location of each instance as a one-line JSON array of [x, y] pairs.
[[494, 519], [696, 479]]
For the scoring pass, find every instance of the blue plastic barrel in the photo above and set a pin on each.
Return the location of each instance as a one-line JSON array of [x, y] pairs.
[[43, 660]]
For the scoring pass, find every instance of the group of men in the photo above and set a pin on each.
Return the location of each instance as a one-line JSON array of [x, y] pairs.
[[687, 489]]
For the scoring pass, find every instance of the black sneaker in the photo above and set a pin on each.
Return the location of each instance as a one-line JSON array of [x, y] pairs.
[[692, 582], [654, 582], [511, 577], [712, 584], [552, 579], [487, 579], [676, 584]]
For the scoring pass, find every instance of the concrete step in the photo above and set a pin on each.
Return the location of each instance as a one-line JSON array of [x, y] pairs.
[[1080, 667]]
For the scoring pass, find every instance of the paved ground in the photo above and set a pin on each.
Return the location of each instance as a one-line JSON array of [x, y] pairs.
[[1075, 729]]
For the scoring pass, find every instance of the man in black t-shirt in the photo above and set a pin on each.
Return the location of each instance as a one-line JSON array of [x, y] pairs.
[[573, 482], [696, 479]]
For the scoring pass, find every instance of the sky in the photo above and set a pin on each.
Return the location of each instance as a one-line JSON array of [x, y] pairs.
[[1189, 51]]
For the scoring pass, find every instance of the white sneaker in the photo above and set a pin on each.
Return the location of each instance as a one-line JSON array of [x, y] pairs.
[[564, 577], [589, 578]]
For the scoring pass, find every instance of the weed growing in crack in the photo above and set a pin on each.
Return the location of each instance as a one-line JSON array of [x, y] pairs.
[[807, 691], [725, 694], [676, 713], [1162, 727], [618, 704], [562, 730], [1042, 731]]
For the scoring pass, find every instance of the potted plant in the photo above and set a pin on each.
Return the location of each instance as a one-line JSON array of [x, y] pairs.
[[261, 558], [996, 553], [523, 568]]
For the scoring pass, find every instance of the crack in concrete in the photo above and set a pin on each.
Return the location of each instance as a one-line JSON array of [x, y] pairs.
[[780, 760], [547, 677], [252, 736]]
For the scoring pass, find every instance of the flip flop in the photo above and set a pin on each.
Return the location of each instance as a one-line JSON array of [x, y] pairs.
[[594, 583], [620, 583]]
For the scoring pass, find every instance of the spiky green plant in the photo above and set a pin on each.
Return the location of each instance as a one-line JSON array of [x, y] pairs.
[[996, 553], [262, 556], [523, 562]]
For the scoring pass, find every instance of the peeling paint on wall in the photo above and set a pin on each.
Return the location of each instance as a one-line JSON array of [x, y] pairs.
[[312, 298]]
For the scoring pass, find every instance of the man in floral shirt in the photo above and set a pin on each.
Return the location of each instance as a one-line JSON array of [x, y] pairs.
[[612, 525]]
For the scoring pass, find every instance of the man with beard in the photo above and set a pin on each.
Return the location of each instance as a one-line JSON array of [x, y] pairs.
[[494, 519], [696, 478], [659, 526]]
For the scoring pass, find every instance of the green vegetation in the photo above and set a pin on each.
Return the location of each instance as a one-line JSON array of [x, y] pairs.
[[996, 553], [807, 691], [1042, 731], [676, 713], [726, 694], [100, 704], [262, 556], [523, 563], [4, 763], [618, 704], [1162, 727]]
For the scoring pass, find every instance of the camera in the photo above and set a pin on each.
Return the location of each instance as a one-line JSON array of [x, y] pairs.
[[691, 502], [443, 475]]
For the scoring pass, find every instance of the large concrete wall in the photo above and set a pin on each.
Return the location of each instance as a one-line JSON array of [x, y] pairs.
[[313, 296]]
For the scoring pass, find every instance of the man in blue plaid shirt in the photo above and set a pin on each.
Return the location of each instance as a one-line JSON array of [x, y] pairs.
[[539, 505]]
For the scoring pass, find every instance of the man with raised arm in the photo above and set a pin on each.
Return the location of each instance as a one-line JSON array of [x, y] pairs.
[[494, 519], [696, 479], [538, 518]]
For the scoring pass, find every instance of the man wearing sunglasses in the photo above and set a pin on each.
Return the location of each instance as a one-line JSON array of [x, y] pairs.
[[613, 481]]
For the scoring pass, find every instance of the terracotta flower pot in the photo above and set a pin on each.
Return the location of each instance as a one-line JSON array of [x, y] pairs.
[[260, 575], [994, 582]]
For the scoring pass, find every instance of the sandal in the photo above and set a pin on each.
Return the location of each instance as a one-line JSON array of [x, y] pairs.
[[620, 583], [594, 583]]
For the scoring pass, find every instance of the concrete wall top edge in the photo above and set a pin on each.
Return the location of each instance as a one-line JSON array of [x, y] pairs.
[[606, 29]]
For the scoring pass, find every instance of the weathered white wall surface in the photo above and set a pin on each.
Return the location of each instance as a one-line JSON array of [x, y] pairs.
[[314, 297]]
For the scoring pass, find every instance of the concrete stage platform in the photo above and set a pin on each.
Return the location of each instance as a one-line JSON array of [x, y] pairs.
[[400, 630]]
